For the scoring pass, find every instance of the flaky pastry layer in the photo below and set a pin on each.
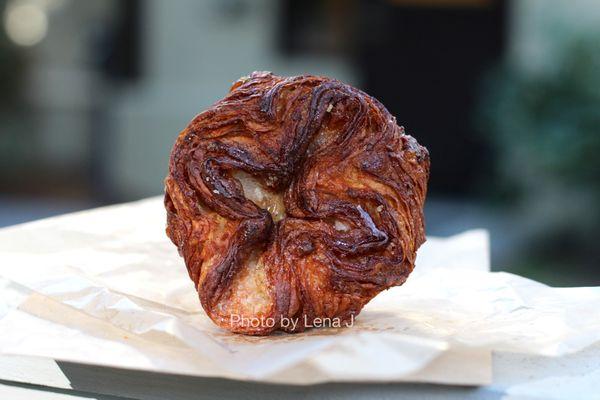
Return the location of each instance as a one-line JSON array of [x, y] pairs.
[[294, 199]]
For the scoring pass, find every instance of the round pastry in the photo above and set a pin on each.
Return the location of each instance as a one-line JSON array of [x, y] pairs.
[[294, 201]]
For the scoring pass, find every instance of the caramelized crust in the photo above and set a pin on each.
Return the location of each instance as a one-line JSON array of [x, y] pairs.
[[294, 199]]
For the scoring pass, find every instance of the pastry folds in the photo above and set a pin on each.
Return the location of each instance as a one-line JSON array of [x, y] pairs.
[[294, 201]]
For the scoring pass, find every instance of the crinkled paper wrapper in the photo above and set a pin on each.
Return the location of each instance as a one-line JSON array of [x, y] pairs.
[[106, 287]]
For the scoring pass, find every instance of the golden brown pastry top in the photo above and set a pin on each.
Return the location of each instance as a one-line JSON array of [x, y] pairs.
[[294, 198]]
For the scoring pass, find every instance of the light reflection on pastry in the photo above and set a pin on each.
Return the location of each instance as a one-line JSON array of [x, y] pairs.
[[294, 199]]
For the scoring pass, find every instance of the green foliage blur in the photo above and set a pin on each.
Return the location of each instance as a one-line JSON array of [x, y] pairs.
[[545, 128]]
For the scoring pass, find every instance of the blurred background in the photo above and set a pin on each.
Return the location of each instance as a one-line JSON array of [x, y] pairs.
[[505, 94]]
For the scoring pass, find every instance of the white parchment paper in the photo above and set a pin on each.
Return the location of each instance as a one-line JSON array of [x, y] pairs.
[[106, 287]]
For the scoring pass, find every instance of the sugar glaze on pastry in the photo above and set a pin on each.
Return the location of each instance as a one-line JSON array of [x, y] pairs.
[[294, 198]]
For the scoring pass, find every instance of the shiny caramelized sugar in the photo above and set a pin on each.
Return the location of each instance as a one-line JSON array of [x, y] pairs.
[[294, 199]]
